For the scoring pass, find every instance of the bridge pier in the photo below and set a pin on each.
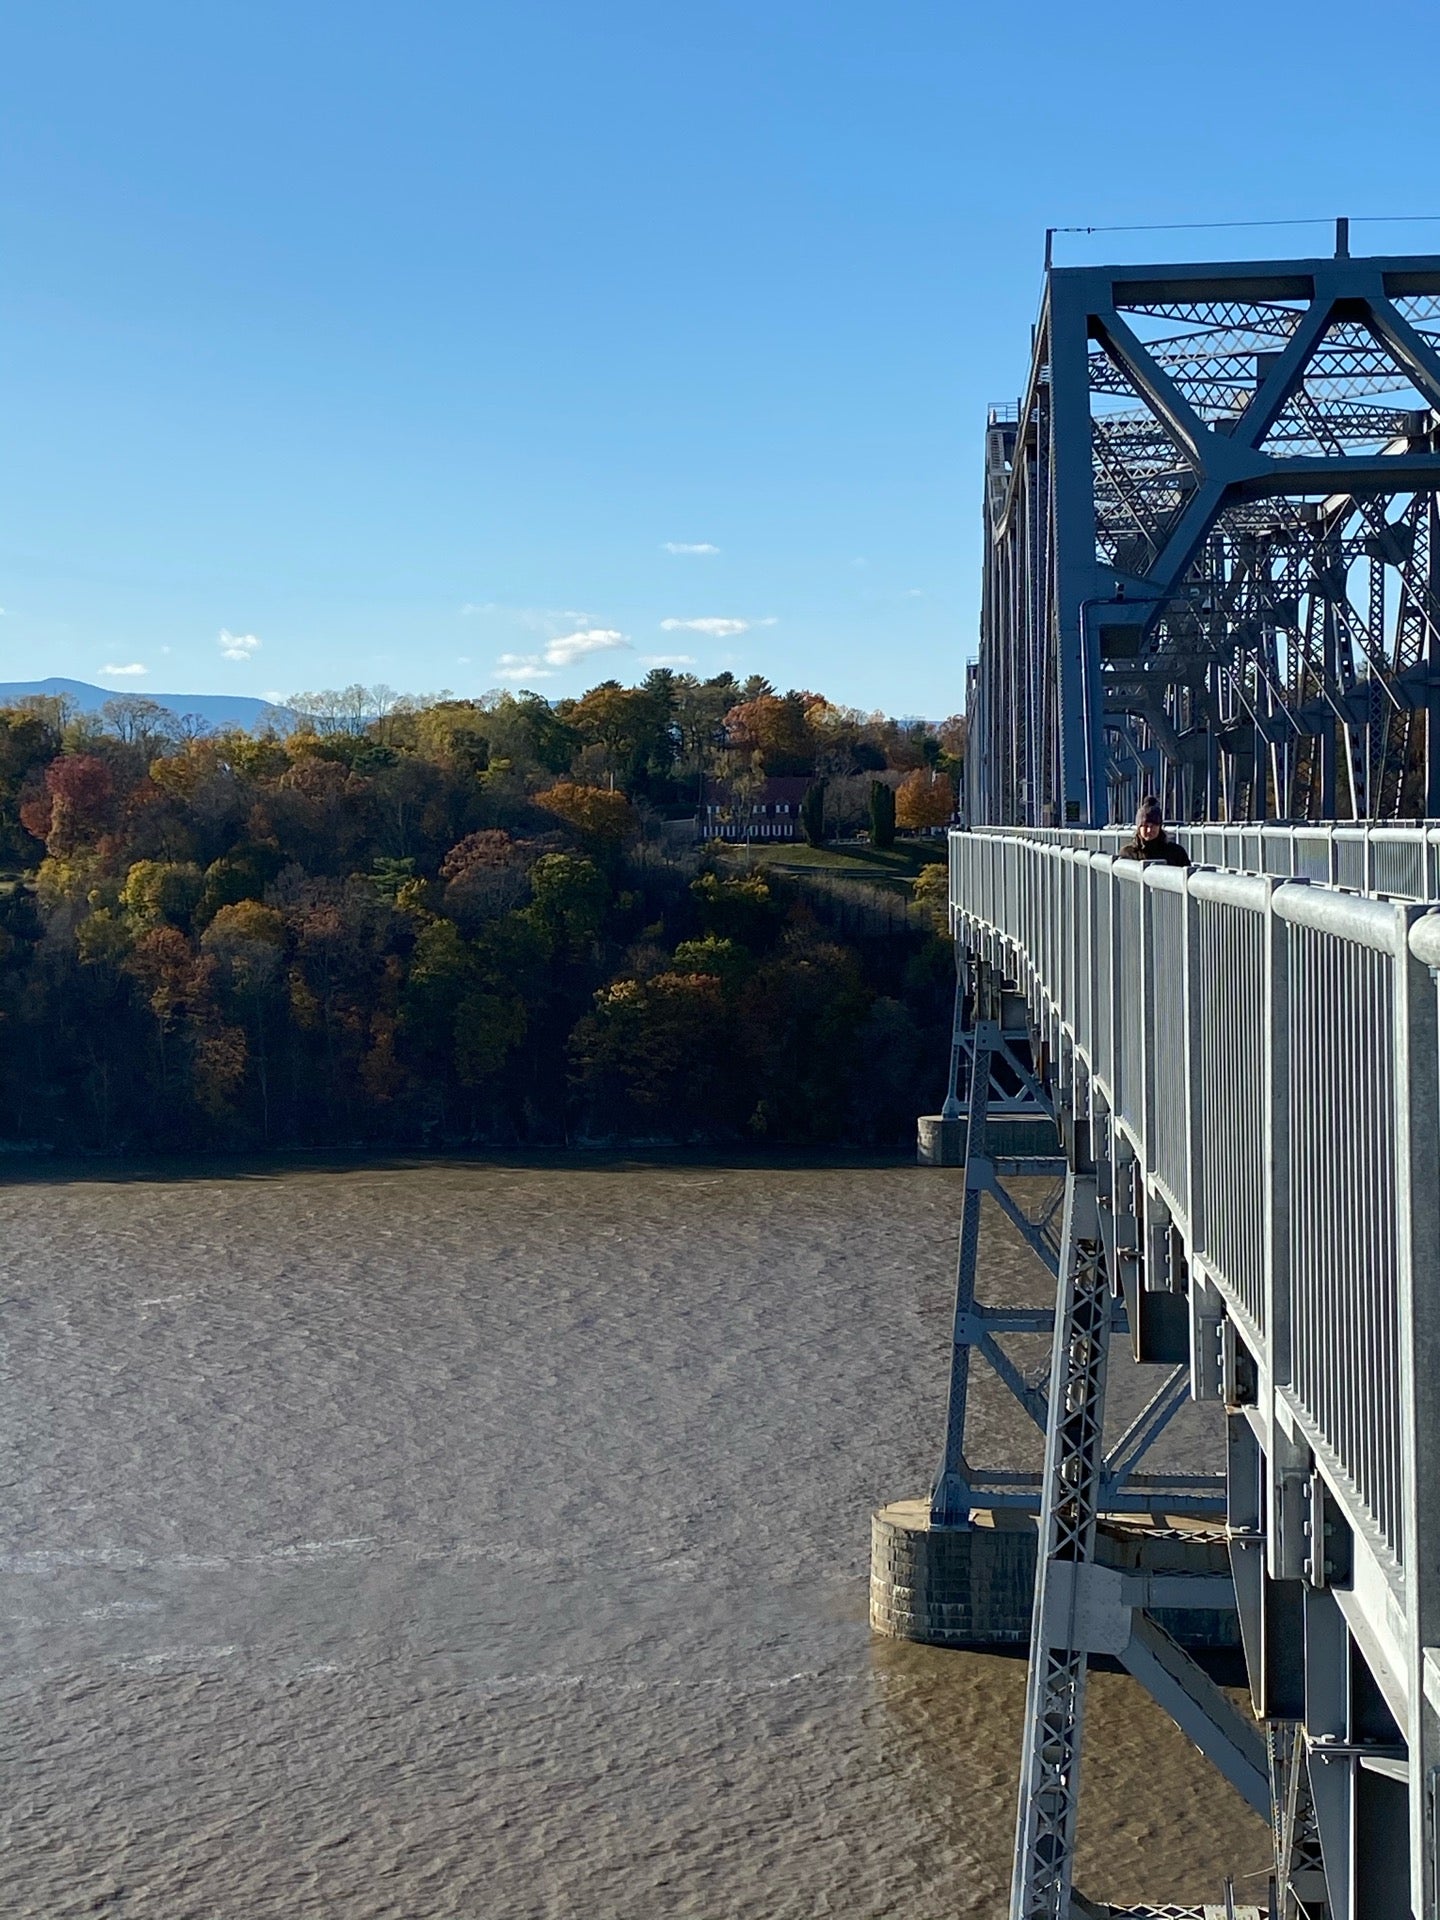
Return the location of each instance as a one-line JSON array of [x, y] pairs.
[[965, 1567], [973, 1586]]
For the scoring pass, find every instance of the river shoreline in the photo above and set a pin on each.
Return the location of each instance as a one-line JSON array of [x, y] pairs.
[[42, 1164]]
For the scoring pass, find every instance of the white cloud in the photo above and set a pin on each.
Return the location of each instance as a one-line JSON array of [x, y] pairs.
[[237, 646], [522, 667], [125, 673], [687, 546], [565, 651], [667, 660], [275, 698], [571, 647], [714, 629]]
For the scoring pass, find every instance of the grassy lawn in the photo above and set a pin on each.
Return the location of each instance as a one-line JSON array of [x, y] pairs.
[[894, 867]]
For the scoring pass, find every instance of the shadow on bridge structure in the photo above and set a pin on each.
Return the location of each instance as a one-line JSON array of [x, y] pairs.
[[1213, 573]]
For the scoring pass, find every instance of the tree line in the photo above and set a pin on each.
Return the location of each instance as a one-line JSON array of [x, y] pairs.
[[439, 922]]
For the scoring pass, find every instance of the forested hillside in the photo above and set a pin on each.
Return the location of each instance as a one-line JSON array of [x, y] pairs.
[[438, 923]]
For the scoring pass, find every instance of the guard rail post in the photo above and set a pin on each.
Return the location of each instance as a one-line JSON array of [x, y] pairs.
[[1112, 975], [1289, 1456], [1147, 1025], [1194, 1043], [1417, 1083], [1205, 1312]]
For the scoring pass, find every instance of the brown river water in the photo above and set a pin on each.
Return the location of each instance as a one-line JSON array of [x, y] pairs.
[[492, 1540]]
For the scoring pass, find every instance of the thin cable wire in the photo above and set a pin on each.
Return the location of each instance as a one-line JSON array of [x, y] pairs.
[[1213, 226]]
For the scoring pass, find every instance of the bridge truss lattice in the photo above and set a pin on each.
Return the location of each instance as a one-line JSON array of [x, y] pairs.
[[1212, 540]]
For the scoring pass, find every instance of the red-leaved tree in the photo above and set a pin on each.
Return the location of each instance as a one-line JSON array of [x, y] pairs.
[[75, 806]]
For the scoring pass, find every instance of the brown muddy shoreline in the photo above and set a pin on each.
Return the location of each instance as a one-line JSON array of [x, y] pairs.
[[23, 1166]]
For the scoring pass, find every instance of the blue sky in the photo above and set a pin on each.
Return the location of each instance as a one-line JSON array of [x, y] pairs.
[[484, 344]]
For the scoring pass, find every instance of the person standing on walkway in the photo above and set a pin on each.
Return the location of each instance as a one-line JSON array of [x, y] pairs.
[[1150, 840]]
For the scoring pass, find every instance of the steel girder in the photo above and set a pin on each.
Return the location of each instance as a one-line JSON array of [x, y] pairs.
[[1212, 553]]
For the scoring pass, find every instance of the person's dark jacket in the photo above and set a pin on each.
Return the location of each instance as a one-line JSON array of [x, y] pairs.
[[1168, 852]]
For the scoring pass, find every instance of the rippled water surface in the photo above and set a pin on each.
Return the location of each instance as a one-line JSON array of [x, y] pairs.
[[483, 1541]]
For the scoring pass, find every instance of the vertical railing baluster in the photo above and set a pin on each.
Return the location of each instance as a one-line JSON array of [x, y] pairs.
[[1194, 1038], [1116, 1003], [1147, 1022], [1289, 1460], [1417, 1195]]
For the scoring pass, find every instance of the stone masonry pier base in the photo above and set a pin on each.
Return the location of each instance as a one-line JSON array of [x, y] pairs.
[[972, 1586]]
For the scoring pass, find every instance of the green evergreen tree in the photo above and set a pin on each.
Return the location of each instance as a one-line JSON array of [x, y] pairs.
[[882, 814], [812, 814]]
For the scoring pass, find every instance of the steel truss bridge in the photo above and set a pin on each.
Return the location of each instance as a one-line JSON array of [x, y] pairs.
[[1245, 1069], [1213, 573], [1212, 551]]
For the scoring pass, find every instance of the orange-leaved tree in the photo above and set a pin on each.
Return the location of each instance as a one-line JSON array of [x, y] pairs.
[[601, 819], [924, 799], [776, 727]]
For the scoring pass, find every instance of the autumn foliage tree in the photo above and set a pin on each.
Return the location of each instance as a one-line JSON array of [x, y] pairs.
[[777, 727], [426, 923], [600, 818], [924, 799], [75, 805], [28, 742], [654, 1056], [931, 891]]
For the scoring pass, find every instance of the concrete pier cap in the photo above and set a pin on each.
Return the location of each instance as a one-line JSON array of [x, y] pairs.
[[973, 1586], [941, 1142]]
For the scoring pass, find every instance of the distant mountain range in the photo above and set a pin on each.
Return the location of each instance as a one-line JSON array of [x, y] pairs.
[[215, 709]]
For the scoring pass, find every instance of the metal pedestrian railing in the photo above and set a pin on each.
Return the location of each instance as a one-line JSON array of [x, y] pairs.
[[1246, 1036], [1398, 862], [1258, 1036]]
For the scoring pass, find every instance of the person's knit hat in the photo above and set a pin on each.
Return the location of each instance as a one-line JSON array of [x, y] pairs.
[[1147, 812]]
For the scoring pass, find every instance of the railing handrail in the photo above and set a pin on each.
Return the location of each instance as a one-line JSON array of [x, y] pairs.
[[1281, 1092], [1387, 859]]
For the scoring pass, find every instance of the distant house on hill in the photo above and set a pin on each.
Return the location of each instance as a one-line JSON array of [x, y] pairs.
[[771, 812]]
